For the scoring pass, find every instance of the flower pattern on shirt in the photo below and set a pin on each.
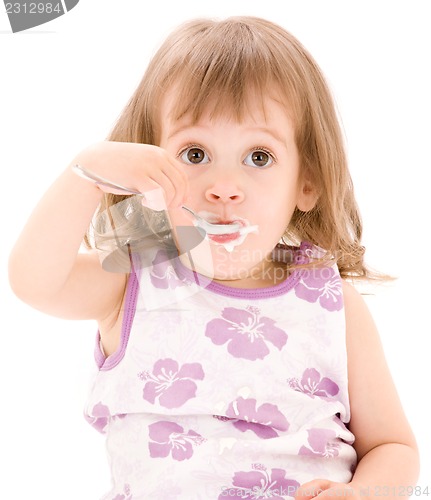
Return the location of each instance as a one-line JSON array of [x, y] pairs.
[[246, 332], [260, 483], [313, 384], [321, 443], [321, 284], [264, 421], [126, 496], [170, 438], [99, 417], [170, 384]]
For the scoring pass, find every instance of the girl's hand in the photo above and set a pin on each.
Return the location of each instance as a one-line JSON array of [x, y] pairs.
[[322, 488], [47, 270], [142, 167]]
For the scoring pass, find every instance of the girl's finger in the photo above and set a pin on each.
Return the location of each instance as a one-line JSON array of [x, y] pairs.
[[154, 199], [180, 182]]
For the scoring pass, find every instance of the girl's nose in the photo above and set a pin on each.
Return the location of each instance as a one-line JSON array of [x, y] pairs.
[[224, 192]]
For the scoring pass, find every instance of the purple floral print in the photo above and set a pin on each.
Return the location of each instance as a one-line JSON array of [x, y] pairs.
[[246, 332], [163, 274], [320, 443], [323, 285], [99, 417], [170, 438], [260, 483], [263, 421], [172, 385], [127, 494], [313, 384]]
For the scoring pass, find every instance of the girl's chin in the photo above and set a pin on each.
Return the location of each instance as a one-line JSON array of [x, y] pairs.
[[220, 268], [224, 270]]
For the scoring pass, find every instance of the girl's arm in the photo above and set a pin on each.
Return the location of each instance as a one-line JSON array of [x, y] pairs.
[[46, 269], [385, 444], [388, 459]]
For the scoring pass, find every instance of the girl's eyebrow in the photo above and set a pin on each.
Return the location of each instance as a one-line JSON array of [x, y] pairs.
[[266, 130], [178, 130], [270, 131]]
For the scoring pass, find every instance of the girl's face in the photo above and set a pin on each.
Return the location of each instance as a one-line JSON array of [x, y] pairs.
[[244, 171]]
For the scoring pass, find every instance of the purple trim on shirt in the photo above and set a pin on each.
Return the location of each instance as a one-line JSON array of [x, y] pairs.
[[98, 354], [107, 363], [253, 293]]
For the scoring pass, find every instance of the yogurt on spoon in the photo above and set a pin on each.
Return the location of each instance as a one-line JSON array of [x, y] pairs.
[[229, 240]]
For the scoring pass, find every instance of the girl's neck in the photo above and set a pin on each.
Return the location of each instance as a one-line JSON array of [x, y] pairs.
[[261, 277], [265, 274]]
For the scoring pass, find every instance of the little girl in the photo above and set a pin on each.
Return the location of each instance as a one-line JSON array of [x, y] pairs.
[[234, 360]]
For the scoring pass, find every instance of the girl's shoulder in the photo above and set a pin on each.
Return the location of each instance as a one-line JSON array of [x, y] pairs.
[[360, 325], [355, 306]]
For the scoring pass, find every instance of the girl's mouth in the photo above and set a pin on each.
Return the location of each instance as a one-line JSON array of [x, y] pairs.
[[229, 240], [224, 238]]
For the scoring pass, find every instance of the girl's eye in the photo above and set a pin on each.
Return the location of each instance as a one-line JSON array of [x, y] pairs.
[[194, 156], [259, 158]]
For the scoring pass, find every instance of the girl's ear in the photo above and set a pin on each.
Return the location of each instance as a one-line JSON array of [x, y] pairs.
[[307, 195]]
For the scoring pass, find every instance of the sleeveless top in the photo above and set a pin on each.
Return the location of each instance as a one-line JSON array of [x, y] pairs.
[[219, 392]]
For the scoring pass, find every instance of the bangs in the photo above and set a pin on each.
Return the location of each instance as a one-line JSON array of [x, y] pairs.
[[222, 67]]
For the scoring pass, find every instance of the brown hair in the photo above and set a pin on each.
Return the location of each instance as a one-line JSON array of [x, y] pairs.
[[215, 66]]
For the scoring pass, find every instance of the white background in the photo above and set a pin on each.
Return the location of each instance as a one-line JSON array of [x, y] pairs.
[[63, 84]]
